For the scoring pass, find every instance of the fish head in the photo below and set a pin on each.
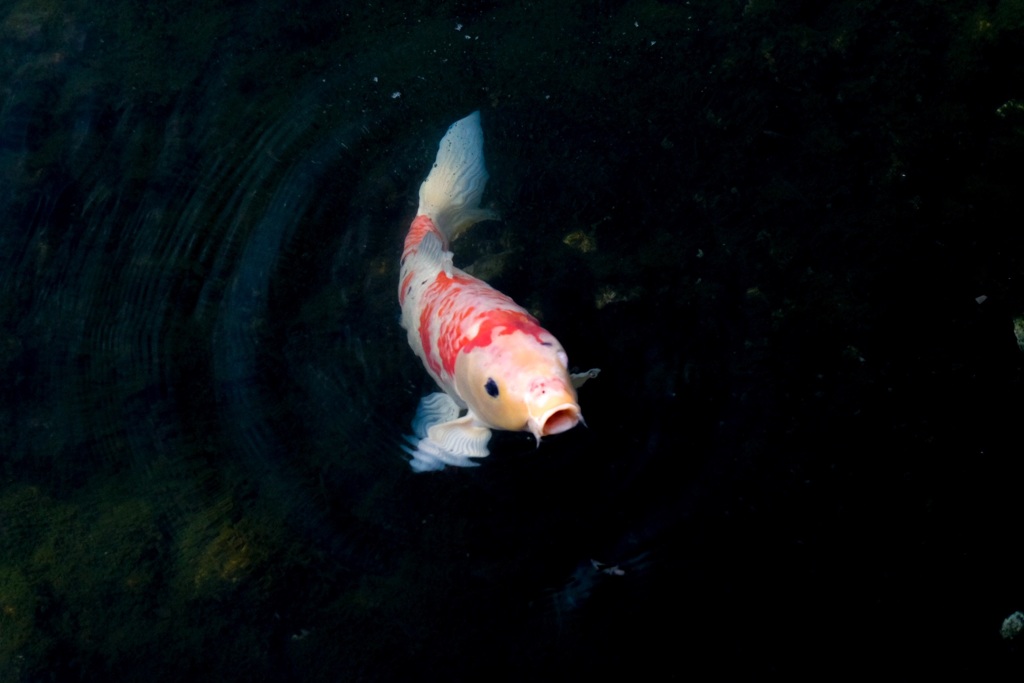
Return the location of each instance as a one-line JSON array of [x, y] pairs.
[[519, 382]]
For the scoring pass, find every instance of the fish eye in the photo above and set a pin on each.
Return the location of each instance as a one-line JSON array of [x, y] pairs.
[[492, 388]]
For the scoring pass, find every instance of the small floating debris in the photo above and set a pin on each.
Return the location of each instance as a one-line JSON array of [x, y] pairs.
[[1010, 108], [609, 295], [580, 241]]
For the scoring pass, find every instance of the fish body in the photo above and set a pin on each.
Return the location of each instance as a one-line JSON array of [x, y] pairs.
[[498, 368]]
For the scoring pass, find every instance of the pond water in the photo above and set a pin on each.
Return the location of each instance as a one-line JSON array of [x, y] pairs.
[[787, 236]]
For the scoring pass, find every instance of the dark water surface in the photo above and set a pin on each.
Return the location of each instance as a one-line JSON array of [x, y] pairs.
[[789, 234]]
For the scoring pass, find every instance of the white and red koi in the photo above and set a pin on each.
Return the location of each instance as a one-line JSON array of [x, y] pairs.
[[497, 367]]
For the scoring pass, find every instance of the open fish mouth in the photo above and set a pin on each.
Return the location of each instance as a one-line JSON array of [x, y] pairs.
[[559, 419]]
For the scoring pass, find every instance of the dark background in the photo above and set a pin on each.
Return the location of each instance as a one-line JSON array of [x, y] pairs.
[[788, 232]]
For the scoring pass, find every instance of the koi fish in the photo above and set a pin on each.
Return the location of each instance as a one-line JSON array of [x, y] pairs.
[[497, 367]]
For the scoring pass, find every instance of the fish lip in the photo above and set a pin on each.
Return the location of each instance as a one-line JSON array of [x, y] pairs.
[[559, 419]]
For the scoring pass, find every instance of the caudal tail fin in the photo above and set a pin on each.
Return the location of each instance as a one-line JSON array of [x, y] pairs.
[[451, 193]]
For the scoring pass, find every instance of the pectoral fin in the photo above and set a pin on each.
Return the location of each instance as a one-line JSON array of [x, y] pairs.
[[434, 409], [445, 438], [578, 378]]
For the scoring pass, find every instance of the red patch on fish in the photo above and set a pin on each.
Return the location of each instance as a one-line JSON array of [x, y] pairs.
[[499, 322], [459, 303]]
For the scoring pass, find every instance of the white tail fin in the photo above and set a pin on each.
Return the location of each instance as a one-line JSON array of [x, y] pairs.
[[451, 193]]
